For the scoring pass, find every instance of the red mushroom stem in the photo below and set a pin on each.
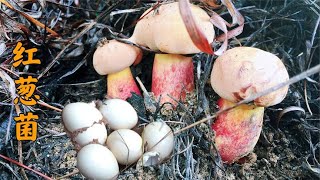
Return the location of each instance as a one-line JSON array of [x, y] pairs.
[[121, 84], [237, 131], [172, 75]]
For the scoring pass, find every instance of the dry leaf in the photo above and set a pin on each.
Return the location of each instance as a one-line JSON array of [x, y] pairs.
[[220, 23], [31, 19], [196, 35], [289, 109], [237, 18]]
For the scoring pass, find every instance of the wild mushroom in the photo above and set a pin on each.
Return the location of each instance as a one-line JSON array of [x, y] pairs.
[[243, 71], [162, 30], [236, 75], [172, 75], [237, 131], [115, 58], [121, 84]]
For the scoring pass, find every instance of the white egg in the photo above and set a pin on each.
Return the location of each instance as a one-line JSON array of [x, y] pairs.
[[126, 145], [95, 161], [158, 137], [80, 115], [119, 114], [96, 133]]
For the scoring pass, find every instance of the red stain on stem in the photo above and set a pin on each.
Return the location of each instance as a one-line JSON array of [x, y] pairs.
[[237, 131], [172, 75]]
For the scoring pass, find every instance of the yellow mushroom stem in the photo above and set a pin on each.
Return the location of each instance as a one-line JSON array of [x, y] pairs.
[[121, 85]]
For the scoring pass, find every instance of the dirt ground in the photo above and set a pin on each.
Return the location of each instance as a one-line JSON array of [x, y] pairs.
[[288, 147]]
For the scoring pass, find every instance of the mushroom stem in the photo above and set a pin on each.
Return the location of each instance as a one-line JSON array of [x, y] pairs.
[[172, 75], [237, 131], [121, 84]]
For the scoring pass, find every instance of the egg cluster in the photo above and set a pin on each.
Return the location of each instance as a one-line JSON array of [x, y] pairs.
[[100, 154]]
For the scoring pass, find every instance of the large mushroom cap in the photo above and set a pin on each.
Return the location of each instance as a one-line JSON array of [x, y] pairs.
[[243, 71], [114, 56], [163, 29]]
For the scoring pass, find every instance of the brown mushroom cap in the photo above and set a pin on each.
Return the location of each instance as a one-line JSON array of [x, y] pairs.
[[114, 56], [165, 30], [243, 71]]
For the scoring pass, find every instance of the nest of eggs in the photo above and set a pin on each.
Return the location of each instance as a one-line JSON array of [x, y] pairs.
[[99, 153]]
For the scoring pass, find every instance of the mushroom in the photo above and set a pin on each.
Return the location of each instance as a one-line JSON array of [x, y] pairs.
[[121, 84], [239, 73], [161, 29], [172, 77], [115, 58], [243, 71], [237, 131], [112, 56], [172, 74]]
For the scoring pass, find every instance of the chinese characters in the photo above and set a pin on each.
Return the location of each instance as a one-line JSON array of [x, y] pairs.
[[26, 127]]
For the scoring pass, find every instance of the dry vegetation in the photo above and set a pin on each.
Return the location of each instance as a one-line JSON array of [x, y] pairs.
[[288, 147]]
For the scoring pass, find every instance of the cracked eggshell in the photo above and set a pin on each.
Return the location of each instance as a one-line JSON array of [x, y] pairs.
[[126, 145], [95, 161], [150, 159], [119, 114], [243, 71], [76, 116], [96, 133], [153, 135]]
